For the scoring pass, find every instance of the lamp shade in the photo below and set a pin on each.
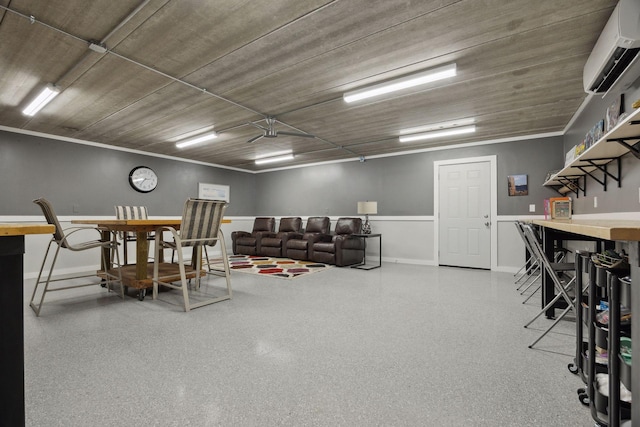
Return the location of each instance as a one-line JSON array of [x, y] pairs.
[[367, 208]]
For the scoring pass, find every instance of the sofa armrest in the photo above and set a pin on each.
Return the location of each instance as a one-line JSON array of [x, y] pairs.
[[236, 234], [346, 241]]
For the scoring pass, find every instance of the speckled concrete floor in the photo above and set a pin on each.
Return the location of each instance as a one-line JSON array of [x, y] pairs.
[[403, 345]]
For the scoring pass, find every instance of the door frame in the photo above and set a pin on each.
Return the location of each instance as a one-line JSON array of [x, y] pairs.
[[493, 191]]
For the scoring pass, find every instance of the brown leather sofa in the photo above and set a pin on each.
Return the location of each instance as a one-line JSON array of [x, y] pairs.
[[299, 244], [340, 248], [246, 243], [275, 244]]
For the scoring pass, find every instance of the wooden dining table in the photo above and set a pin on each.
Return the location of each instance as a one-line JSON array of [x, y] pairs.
[[139, 275]]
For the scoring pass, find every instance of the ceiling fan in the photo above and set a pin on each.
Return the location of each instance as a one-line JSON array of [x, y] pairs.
[[271, 132]]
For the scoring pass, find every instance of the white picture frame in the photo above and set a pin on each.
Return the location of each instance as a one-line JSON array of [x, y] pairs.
[[213, 191]]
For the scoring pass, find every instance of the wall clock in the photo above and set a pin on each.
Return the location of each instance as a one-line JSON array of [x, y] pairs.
[[143, 179]]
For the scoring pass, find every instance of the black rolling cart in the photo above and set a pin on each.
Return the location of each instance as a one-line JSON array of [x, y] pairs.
[[605, 404], [579, 365]]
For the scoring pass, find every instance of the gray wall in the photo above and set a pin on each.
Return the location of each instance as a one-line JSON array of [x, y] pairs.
[[87, 180], [403, 185], [625, 198]]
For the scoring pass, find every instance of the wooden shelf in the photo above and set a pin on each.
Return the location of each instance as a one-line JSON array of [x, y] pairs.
[[594, 160]]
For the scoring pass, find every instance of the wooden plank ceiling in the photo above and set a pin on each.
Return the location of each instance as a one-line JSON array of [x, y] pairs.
[[177, 66]]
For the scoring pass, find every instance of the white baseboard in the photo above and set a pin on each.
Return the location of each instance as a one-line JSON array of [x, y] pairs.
[[409, 261]]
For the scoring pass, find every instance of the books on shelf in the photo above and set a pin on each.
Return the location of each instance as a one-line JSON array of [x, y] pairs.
[[570, 156]]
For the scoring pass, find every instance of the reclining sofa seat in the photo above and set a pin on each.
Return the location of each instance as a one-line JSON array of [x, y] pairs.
[[299, 244], [341, 248], [246, 243], [275, 244]]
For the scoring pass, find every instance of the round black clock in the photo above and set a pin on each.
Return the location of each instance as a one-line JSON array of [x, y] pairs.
[[143, 179]]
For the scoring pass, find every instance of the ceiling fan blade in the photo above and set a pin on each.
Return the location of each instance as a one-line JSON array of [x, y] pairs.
[[258, 126], [304, 135], [255, 138]]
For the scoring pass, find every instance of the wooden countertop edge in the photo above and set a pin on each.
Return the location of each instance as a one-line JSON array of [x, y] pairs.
[[22, 229], [621, 230]]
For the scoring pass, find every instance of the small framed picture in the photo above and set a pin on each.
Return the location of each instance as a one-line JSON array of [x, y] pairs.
[[517, 185], [560, 207]]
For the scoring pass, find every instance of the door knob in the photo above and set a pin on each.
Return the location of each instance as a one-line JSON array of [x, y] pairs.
[[487, 224]]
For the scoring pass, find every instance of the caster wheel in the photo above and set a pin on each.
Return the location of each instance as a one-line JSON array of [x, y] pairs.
[[141, 294], [584, 399], [103, 283], [582, 391], [572, 368]]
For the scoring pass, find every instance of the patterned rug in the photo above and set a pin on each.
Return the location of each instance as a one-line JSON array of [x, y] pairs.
[[284, 268]]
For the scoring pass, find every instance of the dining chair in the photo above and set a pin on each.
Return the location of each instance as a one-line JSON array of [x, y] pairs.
[[530, 270], [131, 212], [200, 226], [562, 275], [61, 239]]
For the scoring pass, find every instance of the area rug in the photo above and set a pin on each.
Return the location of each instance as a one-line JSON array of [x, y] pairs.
[[284, 268]]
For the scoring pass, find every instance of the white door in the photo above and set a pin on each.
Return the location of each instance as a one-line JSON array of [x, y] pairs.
[[465, 215]]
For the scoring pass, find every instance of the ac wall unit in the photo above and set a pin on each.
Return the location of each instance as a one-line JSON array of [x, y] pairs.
[[616, 49]]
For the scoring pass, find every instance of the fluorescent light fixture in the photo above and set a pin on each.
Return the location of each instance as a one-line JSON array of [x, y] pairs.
[[441, 125], [274, 159], [197, 140], [191, 133], [275, 153], [438, 133], [47, 94], [412, 80]]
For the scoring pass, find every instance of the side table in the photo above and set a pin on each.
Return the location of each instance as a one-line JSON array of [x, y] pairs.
[[365, 238]]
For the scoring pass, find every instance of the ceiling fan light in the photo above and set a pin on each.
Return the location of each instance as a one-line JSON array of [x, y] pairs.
[[197, 140], [438, 134], [274, 159], [406, 82], [47, 94]]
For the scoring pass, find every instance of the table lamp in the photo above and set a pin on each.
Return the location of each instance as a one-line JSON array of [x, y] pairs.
[[366, 208]]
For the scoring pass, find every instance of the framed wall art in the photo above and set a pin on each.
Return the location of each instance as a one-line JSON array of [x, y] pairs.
[[213, 192], [518, 185]]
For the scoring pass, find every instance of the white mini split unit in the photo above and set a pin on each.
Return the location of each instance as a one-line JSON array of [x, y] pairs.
[[616, 50]]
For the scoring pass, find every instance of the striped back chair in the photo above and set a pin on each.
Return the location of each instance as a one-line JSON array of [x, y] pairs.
[[130, 212], [200, 227], [201, 221]]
